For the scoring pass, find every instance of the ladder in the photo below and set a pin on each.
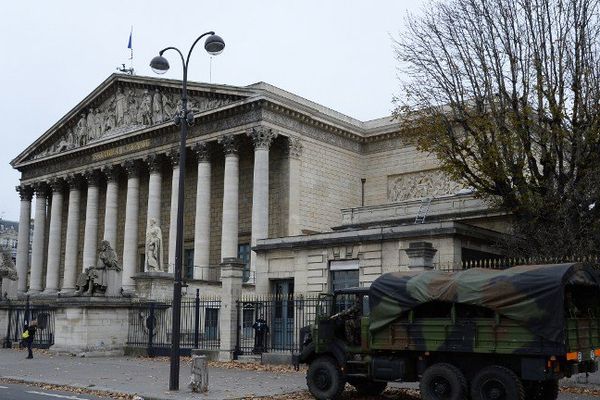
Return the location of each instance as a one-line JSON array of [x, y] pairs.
[[423, 210]]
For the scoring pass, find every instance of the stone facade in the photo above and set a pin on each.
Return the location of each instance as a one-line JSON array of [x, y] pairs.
[[269, 177]]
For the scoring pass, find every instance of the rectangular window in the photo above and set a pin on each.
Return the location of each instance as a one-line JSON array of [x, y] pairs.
[[344, 274], [247, 319], [211, 323], [244, 255], [188, 263]]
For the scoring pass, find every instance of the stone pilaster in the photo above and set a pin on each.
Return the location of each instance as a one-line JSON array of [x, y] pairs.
[[39, 233], [90, 233], [72, 239], [420, 256], [229, 230], [130, 244], [294, 152], [231, 279], [202, 221], [25, 193], [174, 158], [262, 138], [111, 209], [54, 237]]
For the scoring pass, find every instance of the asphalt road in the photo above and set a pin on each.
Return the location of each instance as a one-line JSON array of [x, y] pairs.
[[11, 391]]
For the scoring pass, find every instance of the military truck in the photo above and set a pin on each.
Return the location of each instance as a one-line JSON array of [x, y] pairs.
[[481, 334]]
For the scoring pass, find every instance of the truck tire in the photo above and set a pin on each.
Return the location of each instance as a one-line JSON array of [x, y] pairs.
[[443, 381], [497, 383], [324, 379], [545, 390], [366, 387]]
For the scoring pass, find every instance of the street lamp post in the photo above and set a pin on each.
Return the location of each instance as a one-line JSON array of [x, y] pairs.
[[213, 45]]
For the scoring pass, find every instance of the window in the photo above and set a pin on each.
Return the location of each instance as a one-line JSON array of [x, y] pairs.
[[188, 263], [244, 255], [247, 319], [211, 323], [344, 274]]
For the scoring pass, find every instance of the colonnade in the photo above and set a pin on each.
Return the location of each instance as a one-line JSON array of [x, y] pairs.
[[46, 251]]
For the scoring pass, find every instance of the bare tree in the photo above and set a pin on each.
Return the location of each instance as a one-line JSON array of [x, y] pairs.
[[506, 93]]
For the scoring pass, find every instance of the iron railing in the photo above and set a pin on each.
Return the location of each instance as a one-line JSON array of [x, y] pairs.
[[150, 325], [508, 262], [44, 314], [272, 323]]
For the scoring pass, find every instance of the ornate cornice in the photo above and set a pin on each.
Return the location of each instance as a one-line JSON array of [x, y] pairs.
[[25, 192], [229, 143], [262, 137]]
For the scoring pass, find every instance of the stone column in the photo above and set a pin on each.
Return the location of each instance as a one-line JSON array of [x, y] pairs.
[[154, 185], [90, 233], [202, 221], [130, 243], [174, 157], [231, 279], [262, 138], [72, 239], [229, 230], [54, 237], [39, 233], [112, 205], [294, 152], [25, 193], [420, 256]]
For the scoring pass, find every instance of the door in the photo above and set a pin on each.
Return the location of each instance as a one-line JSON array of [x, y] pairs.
[[283, 314]]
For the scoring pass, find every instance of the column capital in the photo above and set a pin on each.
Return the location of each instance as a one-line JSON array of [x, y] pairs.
[[111, 172], [173, 157], [57, 184], [74, 181], [41, 190], [294, 147], [92, 177], [262, 137], [132, 167], [25, 192], [154, 162], [229, 143], [202, 152]]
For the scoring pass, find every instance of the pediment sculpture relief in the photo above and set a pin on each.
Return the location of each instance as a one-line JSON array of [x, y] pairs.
[[129, 109]]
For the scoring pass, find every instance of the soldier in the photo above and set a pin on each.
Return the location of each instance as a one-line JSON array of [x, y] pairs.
[[351, 318]]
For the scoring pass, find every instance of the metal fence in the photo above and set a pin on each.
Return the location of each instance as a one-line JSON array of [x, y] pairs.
[[17, 314], [150, 325], [272, 323], [508, 262]]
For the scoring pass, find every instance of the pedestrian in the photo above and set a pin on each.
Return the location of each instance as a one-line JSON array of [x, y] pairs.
[[28, 335]]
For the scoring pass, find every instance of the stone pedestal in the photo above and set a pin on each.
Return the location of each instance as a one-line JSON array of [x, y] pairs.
[[154, 285], [231, 279], [9, 289], [91, 326], [420, 256], [113, 283], [199, 378]]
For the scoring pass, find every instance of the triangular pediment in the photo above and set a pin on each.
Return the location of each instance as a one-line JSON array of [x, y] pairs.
[[124, 104]]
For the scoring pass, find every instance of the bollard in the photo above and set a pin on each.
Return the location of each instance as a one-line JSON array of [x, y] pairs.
[[199, 378]]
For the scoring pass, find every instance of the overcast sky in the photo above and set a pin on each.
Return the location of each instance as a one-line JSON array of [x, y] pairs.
[[335, 52]]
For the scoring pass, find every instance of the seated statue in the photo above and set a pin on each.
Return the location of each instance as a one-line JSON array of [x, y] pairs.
[[93, 279]]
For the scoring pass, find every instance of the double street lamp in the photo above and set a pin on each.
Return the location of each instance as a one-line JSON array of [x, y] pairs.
[[214, 45]]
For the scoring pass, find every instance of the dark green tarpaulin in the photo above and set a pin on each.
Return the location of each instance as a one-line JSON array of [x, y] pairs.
[[532, 295]]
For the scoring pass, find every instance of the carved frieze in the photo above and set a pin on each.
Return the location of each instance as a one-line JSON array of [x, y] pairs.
[[418, 185], [129, 109]]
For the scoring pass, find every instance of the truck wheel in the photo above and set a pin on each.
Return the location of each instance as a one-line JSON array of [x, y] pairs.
[[367, 387], [443, 381], [497, 383], [325, 379], [546, 390]]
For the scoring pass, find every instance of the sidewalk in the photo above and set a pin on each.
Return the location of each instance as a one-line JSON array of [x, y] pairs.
[[145, 377]]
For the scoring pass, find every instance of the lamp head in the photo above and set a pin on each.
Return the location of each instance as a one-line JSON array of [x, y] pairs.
[[214, 45], [159, 64]]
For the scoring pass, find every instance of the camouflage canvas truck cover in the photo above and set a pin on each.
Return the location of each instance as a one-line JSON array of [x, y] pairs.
[[479, 333]]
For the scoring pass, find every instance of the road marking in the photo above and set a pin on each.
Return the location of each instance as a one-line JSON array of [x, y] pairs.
[[61, 396], [3, 387]]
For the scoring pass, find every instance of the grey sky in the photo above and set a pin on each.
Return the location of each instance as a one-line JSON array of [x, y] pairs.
[[335, 52]]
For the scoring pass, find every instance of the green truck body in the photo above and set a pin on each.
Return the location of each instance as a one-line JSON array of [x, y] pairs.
[[480, 334]]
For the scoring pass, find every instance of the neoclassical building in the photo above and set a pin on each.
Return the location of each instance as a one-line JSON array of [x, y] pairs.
[[310, 199]]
